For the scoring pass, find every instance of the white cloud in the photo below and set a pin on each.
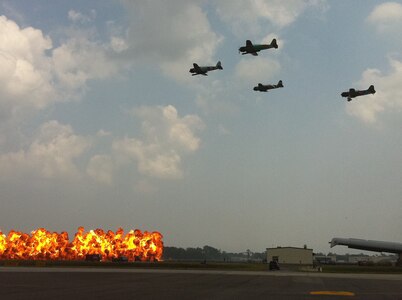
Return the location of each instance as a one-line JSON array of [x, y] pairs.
[[118, 44], [103, 133], [386, 16], [78, 17], [153, 160], [51, 154], [245, 17], [35, 75], [251, 71], [25, 75], [387, 99], [177, 36], [166, 138], [78, 60]]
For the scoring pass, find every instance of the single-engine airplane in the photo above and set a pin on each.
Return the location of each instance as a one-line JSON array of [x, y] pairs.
[[264, 88], [253, 49], [353, 93], [197, 70]]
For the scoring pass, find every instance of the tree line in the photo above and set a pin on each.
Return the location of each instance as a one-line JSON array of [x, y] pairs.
[[210, 253]]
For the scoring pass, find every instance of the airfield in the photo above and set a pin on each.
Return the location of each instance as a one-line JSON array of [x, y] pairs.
[[125, 282]]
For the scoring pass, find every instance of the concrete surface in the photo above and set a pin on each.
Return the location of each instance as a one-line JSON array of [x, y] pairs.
[[98, 283]]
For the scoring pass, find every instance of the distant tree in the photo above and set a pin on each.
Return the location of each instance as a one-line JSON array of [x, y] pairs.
[[174, 253], [194, 253], [208, 253], [212, 253]]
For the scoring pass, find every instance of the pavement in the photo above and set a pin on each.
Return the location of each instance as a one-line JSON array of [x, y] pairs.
[[120, 283]]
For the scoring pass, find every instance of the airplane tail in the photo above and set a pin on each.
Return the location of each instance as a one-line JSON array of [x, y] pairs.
[[219, 65], [274, 44], [280, 83], [371, 89]]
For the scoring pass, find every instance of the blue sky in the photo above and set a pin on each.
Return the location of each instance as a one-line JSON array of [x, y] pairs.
[[102, 125]]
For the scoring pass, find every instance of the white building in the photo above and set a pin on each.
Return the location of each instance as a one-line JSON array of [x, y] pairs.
[[290, 255]]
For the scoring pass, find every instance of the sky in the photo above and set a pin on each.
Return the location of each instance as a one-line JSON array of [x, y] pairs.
[[103, 126]]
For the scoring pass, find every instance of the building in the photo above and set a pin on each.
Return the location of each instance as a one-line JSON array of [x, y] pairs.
[[290, 255], [325, 259]]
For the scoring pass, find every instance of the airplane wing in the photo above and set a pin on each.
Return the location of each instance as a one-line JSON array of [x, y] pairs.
[[197, 69], [353, 93], [249, 43], [253, 53]]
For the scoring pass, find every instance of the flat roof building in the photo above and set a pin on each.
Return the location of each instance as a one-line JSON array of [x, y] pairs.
[[290, 255]]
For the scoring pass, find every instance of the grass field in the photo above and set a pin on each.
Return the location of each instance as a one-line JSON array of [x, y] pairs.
[[361, 269], [201, 266], [150, 265]]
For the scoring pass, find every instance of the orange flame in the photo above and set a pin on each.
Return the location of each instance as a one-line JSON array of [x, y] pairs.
[[46, 245]]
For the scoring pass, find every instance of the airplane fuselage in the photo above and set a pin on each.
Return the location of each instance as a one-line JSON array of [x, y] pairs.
[[254, 48], [265, 88], [251, 48], [197, 70], [203, 70]]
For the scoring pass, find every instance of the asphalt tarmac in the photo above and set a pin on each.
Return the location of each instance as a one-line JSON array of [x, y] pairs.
[[98, 283]]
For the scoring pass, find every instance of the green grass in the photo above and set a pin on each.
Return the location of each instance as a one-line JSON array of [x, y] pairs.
[[361, 269], [200, 266], [150, 265]]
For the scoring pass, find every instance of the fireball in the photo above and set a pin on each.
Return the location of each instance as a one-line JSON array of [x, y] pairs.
[[42, 244]]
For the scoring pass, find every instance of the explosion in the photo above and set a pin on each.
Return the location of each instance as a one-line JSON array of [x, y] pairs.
[[42, 244]]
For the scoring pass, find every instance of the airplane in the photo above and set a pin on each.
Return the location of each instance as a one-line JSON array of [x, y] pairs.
[[353, 93], [264, 88], [197, 70], [370, 245], [253, 49]]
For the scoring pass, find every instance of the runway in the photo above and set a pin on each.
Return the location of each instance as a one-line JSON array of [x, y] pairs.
[[120, 283]]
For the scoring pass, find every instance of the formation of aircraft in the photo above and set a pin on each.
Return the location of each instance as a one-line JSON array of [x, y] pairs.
[[355, 93], [253, 49], [197, 70], [248, 49], [265, 88]]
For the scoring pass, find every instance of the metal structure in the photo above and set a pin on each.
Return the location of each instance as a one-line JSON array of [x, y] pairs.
[[370, 245]]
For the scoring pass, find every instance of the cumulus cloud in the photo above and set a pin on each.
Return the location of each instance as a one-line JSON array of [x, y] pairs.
[[79, 60], [388, 97], [51, 154], [166, 138], [25, 75], [35, 75], [251, 71], [79, 17], [118, 44], [246, 16], [386, 16], [177, 36], [103, 133]]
